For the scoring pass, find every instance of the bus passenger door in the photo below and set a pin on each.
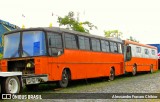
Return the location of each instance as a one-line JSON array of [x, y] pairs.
[[128, 53], [55, 50]]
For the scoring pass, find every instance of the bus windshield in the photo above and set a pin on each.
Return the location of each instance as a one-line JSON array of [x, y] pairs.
[[25, 44]]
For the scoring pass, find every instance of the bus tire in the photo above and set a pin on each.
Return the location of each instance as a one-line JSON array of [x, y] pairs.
[[112, 74], [63, 83], [11, 85], [134, 70], [151, 69]]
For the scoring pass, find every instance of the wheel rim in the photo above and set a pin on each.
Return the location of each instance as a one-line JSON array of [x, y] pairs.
[[64, 77], [12, 85], [151, 69], [134, 71], [111, 74]]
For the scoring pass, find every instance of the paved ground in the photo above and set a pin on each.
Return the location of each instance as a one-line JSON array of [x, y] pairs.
[[142, 83]]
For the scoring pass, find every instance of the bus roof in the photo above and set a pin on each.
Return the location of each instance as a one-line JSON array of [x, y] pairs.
[[62, 30], [126, 42]]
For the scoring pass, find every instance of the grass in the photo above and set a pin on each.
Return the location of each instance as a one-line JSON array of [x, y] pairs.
[[82, 85], [90, 85]]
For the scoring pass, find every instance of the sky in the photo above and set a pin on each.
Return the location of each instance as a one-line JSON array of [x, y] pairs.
[[137, 18]]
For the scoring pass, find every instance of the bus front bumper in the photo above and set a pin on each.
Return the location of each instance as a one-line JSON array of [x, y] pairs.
[[34, 79]]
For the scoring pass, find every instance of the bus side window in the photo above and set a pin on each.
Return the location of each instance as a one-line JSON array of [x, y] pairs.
[[153, 52], [71, 41], [112, 46], [119, 48], [55, 44], [115, 47], [95, 43], [105, 46], [83, 43]]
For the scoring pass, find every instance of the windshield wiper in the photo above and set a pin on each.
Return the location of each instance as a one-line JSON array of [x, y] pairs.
[[25, 53], [17, 51]]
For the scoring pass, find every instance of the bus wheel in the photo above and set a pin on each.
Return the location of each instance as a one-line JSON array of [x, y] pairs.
[[151, 69], [11, 85], [63, 83], [134, 70], [112, 74]]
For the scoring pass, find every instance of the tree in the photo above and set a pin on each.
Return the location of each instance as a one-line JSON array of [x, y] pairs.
[[71, 23], [132, 39], [113, 33]]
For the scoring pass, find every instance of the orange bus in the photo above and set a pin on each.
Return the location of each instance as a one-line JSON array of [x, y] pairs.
[[61, 55], [141, 57]]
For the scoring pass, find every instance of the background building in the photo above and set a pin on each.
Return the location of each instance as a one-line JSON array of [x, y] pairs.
[[5, 27]]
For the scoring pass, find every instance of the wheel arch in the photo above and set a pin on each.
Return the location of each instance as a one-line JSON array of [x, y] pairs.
[[113, 69], [68, 71], [135, 64], [112, 73]]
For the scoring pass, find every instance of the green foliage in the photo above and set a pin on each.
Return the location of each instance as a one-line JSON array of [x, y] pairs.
[[132, 39], [71, 23], [1, 56], [113, 33]]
